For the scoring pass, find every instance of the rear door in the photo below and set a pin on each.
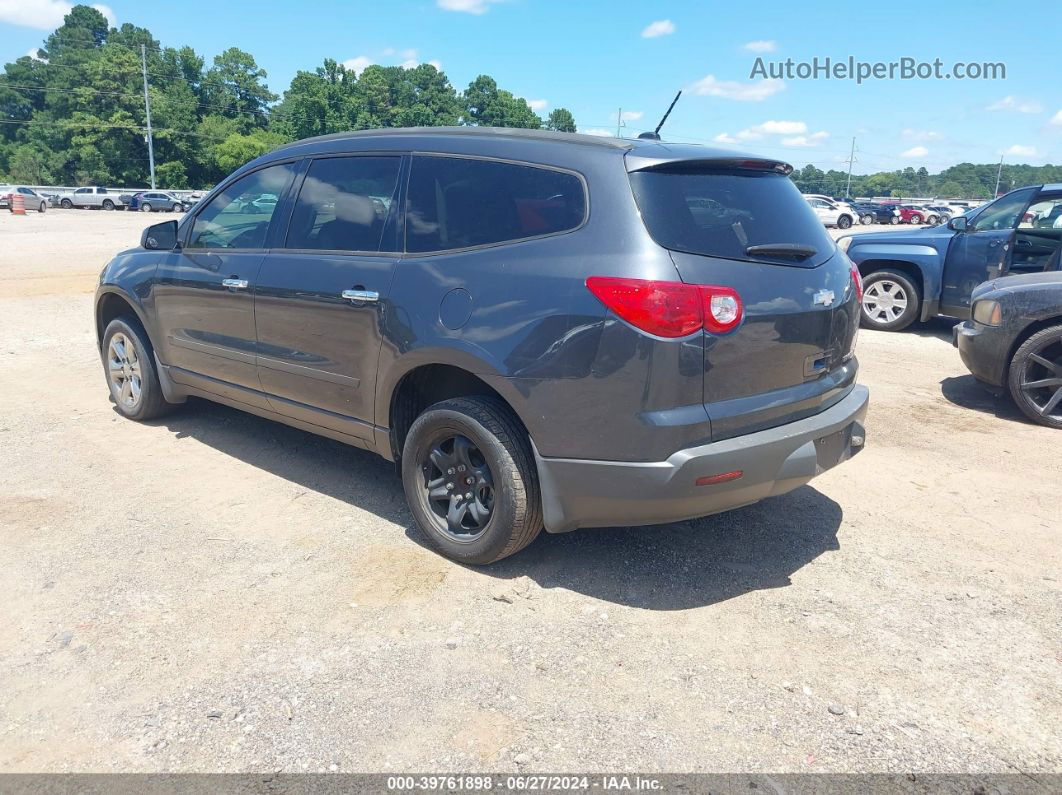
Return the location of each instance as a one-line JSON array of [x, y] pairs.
[[983, 251], [204, 294], [321, 291], [750, 230]]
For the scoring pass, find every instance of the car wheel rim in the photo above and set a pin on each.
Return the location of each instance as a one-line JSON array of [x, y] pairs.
[[884, 301], [458, 487], [1041, 379], [123, 369]]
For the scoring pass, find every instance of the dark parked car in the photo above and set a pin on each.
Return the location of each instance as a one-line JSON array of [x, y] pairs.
[[540, 328], [1014, 342], [870, 213], [917, 274]]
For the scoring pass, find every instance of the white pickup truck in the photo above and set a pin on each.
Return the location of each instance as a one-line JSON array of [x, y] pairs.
[[93, 198]]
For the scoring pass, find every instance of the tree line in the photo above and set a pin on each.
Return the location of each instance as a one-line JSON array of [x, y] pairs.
[[73, 113], [962, 181]]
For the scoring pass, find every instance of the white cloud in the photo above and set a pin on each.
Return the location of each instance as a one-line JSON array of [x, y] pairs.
[[436, 63], [915, 151], [634, 115], [44, 14], [662, 27], [761, 45], [1021, 151], [600, 131], [921, 135], [1017, 105], [1056, 120], [33, 54], [756, 91], [782, 127], [466, 6], [537, 104], [412, 63], [357, 65], [814, 139], [725, 138]]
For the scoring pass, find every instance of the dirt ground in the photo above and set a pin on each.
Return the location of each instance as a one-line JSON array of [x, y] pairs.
[[216, 592]]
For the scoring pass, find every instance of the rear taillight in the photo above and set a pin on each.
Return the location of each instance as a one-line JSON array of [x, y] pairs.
[[857, 280], [669, 309]]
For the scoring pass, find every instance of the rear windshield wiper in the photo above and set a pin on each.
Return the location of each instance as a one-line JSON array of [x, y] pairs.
[[794, 250]]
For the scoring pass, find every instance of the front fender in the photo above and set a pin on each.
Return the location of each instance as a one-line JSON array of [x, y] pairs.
[[924, 259]]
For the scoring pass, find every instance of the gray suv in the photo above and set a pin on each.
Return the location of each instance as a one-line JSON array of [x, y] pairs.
[[541, 329]]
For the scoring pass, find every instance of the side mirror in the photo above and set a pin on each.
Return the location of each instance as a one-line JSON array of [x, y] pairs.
[[160, 237], [959, 223]]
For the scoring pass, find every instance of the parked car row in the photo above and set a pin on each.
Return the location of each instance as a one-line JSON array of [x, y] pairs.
[[997, 268]]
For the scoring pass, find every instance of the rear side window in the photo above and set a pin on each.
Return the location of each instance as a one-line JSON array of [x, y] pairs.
[[458, 203], [344, 204], [721, 213]]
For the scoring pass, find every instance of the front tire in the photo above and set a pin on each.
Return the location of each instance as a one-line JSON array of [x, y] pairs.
[[866, 220], [470, 480], [43, 207], [844, 222], [891, 302], [932, 220], [894, 220], [66, 204], [129, 366], [1035, 379]]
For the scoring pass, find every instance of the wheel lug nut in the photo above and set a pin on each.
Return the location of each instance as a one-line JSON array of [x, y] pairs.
[[449, 486], [450, 471], [469, 481], [468, 496]]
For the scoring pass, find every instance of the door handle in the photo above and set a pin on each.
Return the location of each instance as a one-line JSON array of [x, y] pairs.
[[359, 296], [234, 284]]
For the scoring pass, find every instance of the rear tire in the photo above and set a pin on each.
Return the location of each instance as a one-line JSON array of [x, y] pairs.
[[1037, 360], [891, 302], [145, 207], [477, 439], [866, 220], [129, 367], [894, 220], [108, 204]]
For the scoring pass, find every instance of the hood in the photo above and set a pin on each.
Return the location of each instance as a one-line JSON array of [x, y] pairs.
[[1040, 279], [924, 235]]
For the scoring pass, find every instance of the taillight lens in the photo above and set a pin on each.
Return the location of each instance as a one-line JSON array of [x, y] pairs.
[[669, 309], [857, 280]]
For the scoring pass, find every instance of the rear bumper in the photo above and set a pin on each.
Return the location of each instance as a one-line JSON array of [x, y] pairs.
[[580, 493]]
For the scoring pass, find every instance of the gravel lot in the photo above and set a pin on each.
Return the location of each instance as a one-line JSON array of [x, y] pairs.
[[216, 592]]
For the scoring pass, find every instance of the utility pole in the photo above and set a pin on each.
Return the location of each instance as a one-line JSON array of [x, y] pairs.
[[999, 174], [619, 121], [851, 159], [147, 111]]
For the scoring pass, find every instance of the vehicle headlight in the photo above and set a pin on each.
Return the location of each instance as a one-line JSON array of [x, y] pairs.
[[843, 243], [988, 313]]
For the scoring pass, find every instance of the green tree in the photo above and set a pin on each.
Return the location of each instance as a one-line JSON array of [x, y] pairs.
[[488, 106], [235, 87], [238, 149], [561, 120]]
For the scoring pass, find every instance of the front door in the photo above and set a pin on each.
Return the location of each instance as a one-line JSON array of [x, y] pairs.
[[1039, 236], [204, 294], [982, 252], [321, 291]]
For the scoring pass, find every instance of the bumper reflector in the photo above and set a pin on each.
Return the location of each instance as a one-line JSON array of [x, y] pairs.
[[709, 480]]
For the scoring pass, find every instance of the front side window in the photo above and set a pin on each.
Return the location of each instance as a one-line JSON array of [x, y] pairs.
[[344, 204], [456, 203], [239, 216], [1003, 213]]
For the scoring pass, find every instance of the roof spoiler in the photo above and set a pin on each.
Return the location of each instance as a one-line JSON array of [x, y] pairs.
[[638, 163]]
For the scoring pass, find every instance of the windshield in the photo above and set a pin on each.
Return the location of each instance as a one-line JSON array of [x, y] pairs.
[[725, 213]]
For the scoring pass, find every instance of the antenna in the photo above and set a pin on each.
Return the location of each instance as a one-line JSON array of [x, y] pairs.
[[655, 134]]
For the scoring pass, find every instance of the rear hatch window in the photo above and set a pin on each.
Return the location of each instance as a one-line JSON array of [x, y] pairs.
[[741, 214]]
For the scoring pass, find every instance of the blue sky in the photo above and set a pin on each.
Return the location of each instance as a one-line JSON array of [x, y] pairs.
[[595, 57]]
